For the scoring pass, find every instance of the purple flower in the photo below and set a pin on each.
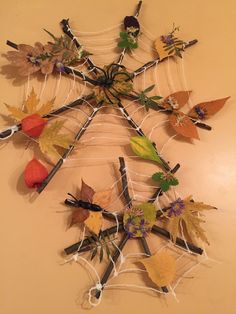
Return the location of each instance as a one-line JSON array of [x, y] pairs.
[[200, 112], [168, 39], [176, 207]]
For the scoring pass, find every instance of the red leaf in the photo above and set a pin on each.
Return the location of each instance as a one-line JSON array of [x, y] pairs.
[[86, 193], [79, 215], [205, 110], [177, 100], [33, 125], [34, 173], [183, 125]]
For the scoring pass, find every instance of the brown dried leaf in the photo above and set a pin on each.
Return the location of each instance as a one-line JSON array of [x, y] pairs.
[[79, 215], [102, 198], [161, 268], [86, 193], [179, 99], [207, 109], [183, 125]]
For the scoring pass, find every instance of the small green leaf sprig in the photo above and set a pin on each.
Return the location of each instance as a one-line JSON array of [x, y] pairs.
[[148, 102], [145, 149]]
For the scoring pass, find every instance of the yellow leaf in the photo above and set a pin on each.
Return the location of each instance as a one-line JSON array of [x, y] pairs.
[[162, 53], [30, 106], [51, 138], [161, 268], [185, 216], [94, 222], [102, 198], [16, 113], [31, 103], [46, 108]]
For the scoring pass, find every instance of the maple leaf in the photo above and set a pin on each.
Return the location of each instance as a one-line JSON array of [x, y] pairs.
[[161, 268], [51, 139], [186, 216], [30, 106]]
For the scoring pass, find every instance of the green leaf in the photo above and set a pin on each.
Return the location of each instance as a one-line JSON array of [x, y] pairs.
[[144, 148], [155, 97], [173, 181], [147, 90], [124, 35], [164, 185], [158, 176]]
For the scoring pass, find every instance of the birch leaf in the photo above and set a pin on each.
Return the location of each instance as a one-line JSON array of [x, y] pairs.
[[102, 198], [94, 222], [51, 139], [161, 268], [144, 148]]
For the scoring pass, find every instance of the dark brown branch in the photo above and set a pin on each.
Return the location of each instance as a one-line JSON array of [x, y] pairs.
[[8, 132], [148, 252], [139, 131], [58, 165], [111, 264], [67, 30], [150, 64], [156, 106], [74, 247], [124, 181], [68, 70], [179, 242]]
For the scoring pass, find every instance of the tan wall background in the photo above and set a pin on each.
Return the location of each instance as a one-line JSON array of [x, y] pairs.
[[32, 234]]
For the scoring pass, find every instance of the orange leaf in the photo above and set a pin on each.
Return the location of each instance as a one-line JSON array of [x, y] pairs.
[[86, 193], [161, 268], [205, 110], [177, 100], [94, 222], [102, 198], [183, 125]]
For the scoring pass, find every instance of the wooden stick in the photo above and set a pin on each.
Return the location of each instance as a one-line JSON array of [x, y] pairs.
[[58, 165], [148, 252], [124, 181]]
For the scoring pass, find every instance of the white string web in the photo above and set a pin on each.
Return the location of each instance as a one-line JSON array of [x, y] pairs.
[[110, 130]]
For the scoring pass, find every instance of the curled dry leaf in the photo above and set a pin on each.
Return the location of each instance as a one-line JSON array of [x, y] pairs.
[[205, 110], [183, 125], [161, 268]]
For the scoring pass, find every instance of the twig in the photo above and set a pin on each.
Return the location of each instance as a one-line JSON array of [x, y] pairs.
[[111, 264], [74, 247], [15, 128], [179, 242], [58, 165], [121, 57], [150, 64], [124, 181], [158, 107], [67, 30], [148, 252], [68, 70]]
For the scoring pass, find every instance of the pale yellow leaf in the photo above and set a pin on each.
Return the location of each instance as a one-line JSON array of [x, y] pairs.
[[162, 53], [102, 198], [51, 138], [16, 113], [31, 103], [94, 222], [46, 108], [161, 268]]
